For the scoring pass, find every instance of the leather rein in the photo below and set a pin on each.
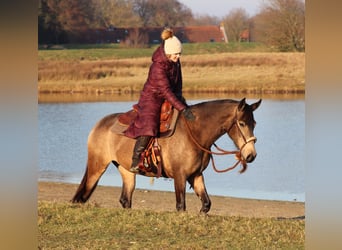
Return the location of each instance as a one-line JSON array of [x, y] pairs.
[[237, 153]]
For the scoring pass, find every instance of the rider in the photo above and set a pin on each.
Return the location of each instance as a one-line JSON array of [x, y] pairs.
[[164, 82]]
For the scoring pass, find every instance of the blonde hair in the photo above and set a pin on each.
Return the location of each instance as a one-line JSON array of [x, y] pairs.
[[166, 34]]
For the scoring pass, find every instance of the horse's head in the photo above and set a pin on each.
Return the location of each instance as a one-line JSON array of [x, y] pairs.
[[241, 131]]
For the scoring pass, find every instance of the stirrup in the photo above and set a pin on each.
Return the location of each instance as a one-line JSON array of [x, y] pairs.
[[134, 169]]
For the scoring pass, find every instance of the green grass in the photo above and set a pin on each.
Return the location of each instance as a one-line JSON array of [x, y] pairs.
[[117, 51], [68, 226], [214, 48]]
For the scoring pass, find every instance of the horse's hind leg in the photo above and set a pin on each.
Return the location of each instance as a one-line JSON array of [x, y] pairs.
[[128, 186], [94, 170], [197, 182]]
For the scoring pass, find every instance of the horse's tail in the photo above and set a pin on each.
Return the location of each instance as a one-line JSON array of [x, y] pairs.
[[83, 193]]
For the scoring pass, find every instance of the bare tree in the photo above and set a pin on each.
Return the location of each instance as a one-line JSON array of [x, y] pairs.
[[236, 22], [49, 27], [71, 16], [204, 20], [145, 10], [162, 13], [281, 23], [117, 13], [137, 37]]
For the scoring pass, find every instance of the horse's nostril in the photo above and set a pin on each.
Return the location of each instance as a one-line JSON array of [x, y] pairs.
[[250, 158]]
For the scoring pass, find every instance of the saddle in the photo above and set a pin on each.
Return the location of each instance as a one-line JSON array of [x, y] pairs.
[[150, 163], [168, 118]]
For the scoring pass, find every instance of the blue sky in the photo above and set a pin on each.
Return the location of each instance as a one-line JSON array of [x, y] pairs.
[[220, 8]]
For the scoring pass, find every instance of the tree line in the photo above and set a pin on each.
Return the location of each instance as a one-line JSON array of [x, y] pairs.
[[279, 23]]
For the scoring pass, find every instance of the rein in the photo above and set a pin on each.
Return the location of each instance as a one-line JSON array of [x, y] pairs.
[[237, 153]]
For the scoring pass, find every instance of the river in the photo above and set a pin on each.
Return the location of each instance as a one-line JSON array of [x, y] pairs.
[[278, 172]]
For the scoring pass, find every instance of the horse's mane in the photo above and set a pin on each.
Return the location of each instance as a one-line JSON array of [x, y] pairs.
[[208, 107], [215, 102]]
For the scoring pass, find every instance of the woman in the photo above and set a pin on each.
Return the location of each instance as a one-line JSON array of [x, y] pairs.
[[164, 82]]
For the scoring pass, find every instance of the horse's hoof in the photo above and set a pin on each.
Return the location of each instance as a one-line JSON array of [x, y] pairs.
[[204, 214]]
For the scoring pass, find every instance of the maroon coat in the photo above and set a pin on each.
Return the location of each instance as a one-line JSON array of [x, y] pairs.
[[164, 82]]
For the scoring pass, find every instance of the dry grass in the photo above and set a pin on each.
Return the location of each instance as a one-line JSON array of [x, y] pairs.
[[67, 226], [234, 72]]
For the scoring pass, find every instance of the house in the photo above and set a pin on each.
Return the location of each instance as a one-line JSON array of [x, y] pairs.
[[151, 35], [200, 34], [245, 36]]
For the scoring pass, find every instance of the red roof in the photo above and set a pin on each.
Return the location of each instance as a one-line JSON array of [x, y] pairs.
[[199, 34]]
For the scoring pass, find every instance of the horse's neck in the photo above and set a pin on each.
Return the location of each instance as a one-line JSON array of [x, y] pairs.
[[210, 123]]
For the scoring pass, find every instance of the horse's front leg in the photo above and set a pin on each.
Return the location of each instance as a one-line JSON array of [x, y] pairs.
[[179, 183], [128, 186], [197, 182]]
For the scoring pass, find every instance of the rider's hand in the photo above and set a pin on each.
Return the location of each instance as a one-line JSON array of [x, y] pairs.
[[188, 114]]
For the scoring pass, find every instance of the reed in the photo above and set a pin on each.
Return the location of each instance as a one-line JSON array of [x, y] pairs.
[[248, 72]]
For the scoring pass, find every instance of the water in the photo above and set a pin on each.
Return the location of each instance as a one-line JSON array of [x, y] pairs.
[[276, 174]]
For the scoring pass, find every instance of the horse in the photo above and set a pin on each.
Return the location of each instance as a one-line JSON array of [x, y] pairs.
[[185, 154]]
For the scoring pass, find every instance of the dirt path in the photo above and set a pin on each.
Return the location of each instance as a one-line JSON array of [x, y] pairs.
[[165, 201]]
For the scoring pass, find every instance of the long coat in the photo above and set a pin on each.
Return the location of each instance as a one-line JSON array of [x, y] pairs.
[[164, 82]]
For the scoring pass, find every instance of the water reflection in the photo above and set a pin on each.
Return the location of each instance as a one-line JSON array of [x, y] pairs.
[[81, 97]]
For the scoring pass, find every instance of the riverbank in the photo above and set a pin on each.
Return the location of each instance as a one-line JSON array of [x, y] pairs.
[[250, 73], [108, 197]]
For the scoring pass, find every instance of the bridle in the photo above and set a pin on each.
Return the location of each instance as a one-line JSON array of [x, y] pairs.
[[247, 140], [225, 152]]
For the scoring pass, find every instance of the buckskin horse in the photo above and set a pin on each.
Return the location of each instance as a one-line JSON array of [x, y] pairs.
[[185, 154]]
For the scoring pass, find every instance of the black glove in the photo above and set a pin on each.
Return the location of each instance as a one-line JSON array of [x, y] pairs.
[[188, 114]]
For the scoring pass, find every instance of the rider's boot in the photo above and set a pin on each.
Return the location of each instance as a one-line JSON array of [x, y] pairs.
[[139, 147]]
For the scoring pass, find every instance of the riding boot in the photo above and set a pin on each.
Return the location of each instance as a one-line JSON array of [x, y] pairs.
[[139, 147]]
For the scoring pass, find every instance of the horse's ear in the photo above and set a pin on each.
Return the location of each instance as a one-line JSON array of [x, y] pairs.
[[256, 105], [242, 104]]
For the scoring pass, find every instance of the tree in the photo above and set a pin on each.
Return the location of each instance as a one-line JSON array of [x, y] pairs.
[[236, 22], [162, 13], [68, 16], [204, 20], [145, 11], [136, 37], [118, 13], [49, 28], [281, 23], [65, 21]]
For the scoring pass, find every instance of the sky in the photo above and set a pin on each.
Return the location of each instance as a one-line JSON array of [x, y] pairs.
[[221, 8]]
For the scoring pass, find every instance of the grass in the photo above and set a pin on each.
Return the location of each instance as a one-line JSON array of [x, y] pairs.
[[101, 71], [117, 51], [207, 68], [70, 226]]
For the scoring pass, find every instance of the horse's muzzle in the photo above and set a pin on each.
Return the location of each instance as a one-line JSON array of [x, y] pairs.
[[250, 158]]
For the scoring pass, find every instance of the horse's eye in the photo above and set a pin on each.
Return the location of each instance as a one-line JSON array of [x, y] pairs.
[[241, 124]]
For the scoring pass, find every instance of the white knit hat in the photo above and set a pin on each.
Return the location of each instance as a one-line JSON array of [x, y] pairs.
[[172, 46]]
